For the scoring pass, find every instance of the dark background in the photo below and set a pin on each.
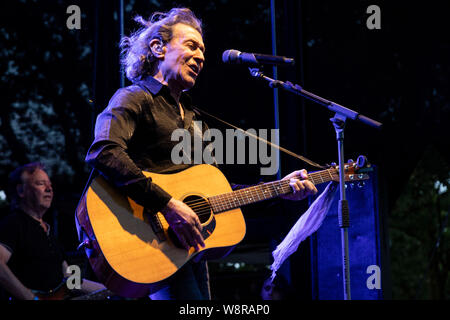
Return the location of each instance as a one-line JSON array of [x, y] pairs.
[[54, 81]]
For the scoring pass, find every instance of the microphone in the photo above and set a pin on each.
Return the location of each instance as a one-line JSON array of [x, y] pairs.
[[237, 57]]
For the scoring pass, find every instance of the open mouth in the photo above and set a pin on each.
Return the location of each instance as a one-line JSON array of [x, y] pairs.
[[194, 69]]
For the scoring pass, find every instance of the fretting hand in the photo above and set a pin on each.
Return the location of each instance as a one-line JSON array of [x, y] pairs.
[[300, 188]]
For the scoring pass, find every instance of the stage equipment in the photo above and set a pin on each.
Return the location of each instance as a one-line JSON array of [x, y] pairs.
[[341, 115], [367, 246]]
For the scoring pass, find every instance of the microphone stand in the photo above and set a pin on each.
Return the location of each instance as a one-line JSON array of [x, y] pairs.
[[339, 119]]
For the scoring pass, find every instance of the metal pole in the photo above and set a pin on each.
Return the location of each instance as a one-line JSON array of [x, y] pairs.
[[343, 211], [275, 91]]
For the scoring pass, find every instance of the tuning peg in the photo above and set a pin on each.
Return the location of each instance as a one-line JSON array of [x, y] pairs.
[[361, 184], [361, 162]]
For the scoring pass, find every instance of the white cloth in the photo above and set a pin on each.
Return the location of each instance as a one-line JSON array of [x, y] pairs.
[[306, 225]]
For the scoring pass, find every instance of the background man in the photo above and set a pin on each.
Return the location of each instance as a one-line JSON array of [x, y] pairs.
[[30, 258]]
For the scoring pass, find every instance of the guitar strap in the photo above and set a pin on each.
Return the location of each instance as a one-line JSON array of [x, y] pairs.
[[310, 162]]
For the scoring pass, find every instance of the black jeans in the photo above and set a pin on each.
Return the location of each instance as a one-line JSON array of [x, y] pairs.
[[191, 282]]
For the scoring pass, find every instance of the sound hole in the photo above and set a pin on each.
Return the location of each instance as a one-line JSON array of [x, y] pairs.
[[200, 206]]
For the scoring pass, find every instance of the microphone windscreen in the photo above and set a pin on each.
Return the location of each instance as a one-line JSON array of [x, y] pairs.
[[230, 56]]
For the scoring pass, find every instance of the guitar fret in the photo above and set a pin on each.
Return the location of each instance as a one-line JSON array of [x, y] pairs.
[[257, 194], [287, 187], [218, 203], [215, 203], [274, 190], [282, 187], [249, 199], [329, 172], [277, 187], [319, 176], [222, 202], [240, 198]]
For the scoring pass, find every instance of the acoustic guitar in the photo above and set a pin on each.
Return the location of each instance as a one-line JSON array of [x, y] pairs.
[[131, 249]]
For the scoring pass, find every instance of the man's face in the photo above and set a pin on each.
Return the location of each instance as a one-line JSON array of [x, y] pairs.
[[36, 191], [183, 57]]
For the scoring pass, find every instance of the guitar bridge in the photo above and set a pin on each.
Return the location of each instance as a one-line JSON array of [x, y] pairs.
[[152, 219]]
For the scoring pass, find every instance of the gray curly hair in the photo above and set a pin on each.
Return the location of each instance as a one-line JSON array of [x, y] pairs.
[[137, 59]]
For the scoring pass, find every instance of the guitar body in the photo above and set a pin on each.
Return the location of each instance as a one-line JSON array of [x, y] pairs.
[[131, 251]]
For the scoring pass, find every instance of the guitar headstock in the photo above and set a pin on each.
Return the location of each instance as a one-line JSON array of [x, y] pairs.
[[353, 170]]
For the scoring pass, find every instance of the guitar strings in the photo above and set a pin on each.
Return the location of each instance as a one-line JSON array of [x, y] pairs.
[[254, 189], [203, 207]]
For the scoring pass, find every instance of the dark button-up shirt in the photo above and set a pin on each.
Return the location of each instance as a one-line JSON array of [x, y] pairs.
[[134, 133]]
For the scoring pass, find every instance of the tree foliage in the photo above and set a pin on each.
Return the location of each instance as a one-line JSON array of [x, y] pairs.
[[420, 234], [45, 85]]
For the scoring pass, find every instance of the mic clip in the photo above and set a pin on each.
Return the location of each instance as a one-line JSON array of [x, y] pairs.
[[256, 72]]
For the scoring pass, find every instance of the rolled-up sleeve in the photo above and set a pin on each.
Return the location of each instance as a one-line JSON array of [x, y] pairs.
[[114, 128]]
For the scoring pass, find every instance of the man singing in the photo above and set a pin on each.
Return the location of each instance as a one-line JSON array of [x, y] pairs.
[[162, 60]]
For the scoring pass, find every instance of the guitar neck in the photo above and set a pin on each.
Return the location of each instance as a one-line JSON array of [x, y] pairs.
[[242, 197]]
